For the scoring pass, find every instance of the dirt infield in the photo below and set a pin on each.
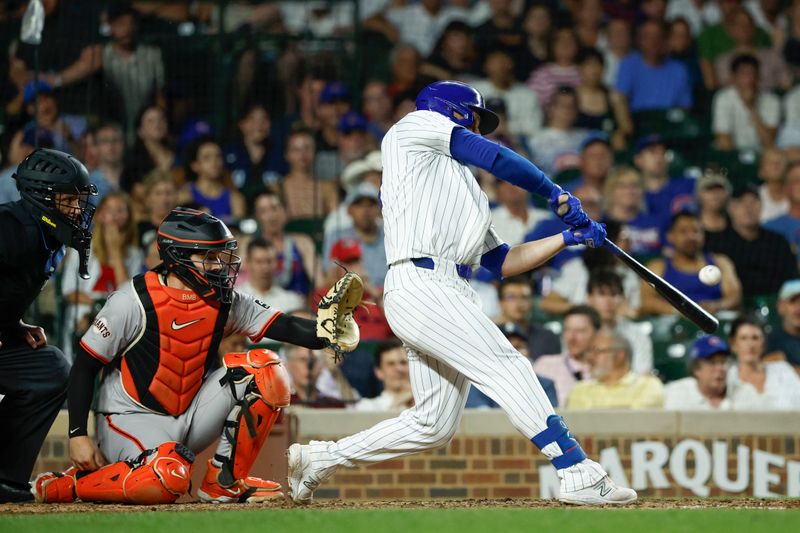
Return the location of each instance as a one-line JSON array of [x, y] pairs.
[[277, 504]]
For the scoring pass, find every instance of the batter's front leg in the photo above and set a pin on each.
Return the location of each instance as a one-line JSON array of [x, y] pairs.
[[440, 393], [448, 324]]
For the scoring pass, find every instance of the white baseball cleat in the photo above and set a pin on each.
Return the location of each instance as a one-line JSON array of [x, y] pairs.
[[604, 492], [303, 479]]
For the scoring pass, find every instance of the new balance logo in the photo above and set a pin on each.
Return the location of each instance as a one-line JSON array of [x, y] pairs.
[[177, 326], [311, 485], [603, 489]]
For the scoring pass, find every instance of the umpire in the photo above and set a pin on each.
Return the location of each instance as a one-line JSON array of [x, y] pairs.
[[54, 212]]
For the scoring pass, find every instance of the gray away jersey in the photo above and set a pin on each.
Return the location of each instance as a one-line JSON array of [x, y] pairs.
[[121, 321]]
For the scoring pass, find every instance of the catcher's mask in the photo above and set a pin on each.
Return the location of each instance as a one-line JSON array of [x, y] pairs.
[[57, 186], [186, 232]]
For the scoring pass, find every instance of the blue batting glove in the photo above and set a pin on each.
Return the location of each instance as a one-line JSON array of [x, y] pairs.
[[567, 207], [592, 235]]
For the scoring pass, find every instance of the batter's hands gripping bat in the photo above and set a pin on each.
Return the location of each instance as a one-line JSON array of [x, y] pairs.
[[702, 318]]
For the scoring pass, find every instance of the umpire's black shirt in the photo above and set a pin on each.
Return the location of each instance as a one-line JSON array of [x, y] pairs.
[[28, 257]]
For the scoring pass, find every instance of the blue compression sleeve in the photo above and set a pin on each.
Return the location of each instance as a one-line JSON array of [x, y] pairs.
[[504, 163]]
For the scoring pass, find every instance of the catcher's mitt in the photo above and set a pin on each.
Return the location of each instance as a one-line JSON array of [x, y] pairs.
[[335, 322]]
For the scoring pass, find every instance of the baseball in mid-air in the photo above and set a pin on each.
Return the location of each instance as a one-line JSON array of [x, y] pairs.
[[710, 275]]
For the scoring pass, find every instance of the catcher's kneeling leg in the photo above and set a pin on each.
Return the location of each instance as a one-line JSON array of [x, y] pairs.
[[158, 475], [266, 392]]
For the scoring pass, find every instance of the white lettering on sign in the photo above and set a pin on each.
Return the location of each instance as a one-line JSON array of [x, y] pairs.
[[762, 477], [721, 479], [690, 464], [610, 461], [648, 459], [678, 463]]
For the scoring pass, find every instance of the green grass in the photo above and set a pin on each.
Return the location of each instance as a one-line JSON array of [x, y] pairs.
[[415, 521]]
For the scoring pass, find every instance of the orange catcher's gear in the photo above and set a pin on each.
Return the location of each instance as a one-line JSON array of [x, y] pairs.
[[158, 475], [249, 489], [268, 391], [164, 368]]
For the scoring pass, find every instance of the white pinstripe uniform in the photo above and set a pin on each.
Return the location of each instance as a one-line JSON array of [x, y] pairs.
[[433, 207]]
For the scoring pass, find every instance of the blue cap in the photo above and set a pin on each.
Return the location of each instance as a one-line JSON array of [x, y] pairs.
[[708, 346], [648, 141], [30, 90], [352, 121], [334, 91], [594, 137]]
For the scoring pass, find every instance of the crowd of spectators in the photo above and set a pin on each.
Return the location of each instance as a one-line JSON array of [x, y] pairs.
[[296, 172]]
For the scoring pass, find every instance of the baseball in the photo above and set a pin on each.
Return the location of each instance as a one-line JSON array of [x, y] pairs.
[[710, 275]]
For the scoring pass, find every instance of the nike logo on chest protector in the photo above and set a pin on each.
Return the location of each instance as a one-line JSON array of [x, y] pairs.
[[177, 326]]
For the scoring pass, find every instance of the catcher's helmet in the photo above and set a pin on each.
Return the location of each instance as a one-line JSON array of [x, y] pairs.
[[456, 101], [185, 232], [57, 186]]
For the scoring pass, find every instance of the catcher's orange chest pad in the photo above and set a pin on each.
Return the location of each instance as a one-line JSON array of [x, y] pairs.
[[185, 330]]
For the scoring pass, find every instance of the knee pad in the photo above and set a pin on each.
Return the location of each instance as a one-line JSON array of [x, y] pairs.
[[264, 368], [158, 475], [558, 432]]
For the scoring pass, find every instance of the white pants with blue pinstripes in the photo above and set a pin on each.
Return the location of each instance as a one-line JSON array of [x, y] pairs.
[[450, 344]]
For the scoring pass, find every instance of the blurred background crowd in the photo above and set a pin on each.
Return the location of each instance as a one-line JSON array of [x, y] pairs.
[[676, 122]]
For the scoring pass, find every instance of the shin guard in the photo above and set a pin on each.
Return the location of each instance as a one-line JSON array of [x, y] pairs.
[[158, 475], [267, 392], [558, 432]]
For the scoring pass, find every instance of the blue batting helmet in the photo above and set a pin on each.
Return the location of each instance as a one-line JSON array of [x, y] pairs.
[[456, 101]]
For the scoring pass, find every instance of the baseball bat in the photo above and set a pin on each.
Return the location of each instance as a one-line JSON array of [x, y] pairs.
[[702, 318], [676, 298]]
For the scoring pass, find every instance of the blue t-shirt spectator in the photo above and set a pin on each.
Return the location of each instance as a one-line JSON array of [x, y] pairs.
[[645, 235], [648, 87], [476, 399], [676, 195], [789, 227]]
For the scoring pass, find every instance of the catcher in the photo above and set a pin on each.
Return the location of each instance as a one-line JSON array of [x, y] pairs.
[[161, 399]]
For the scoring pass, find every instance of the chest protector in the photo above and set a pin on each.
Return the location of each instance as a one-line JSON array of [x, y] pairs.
[[164, 368]]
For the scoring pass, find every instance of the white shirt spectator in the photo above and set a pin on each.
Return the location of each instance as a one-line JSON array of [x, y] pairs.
[[419, 28], [781, 386], [789, 134], [513, 230], [387, 401], [642, 360], [487, 293], [754, 7], [698, 18], [573, 278], [683, 395], [612, 62], [555, 150], [277, 297], [770, 208], [730, 116], [522, 106]]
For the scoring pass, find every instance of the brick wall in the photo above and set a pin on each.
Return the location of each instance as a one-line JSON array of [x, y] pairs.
[[485, 467], [488, 459]]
